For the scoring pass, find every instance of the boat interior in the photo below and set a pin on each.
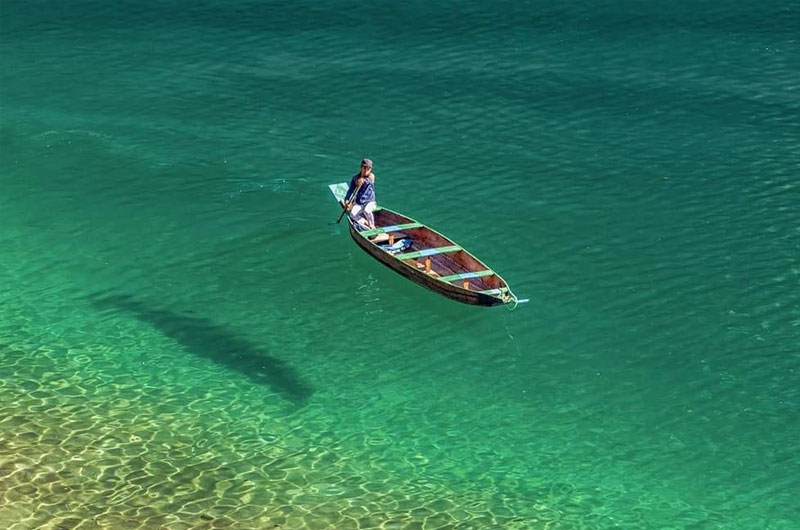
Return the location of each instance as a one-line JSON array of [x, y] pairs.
[[433, 253]]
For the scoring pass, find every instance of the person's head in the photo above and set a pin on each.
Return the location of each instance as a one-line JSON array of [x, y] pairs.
[[366, 165]]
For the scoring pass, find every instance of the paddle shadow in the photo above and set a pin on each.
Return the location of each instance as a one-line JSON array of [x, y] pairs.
[[202, 337]]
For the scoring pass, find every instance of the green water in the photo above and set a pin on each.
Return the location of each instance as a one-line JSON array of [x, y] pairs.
[[189, 340]]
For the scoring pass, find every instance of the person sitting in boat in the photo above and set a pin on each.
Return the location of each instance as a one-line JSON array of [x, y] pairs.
[[360, 196]]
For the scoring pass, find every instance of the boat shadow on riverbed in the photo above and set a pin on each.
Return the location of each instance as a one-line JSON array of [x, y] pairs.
[[205, 338]]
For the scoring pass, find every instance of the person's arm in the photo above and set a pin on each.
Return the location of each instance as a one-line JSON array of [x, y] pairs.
[[352, 191]]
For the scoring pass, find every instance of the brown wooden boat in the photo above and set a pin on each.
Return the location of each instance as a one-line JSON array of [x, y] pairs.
[[428, 258]]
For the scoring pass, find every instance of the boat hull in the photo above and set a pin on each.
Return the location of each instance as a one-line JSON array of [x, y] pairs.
[[428, 258], [420, 278]]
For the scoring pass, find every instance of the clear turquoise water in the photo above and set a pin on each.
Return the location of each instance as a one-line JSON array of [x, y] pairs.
[[188, 340]]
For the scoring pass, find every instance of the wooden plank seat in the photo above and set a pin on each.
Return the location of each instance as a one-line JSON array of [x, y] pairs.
[[467, 275], [428, 252], [495, 291], [387, 229]]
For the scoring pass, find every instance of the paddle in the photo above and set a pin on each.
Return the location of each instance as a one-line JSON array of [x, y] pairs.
[[352, 197]]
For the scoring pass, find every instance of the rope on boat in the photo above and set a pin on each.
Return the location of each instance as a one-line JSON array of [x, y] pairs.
[[512, 301]]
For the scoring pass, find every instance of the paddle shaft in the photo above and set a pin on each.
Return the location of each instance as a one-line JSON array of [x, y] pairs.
[[353, 196]]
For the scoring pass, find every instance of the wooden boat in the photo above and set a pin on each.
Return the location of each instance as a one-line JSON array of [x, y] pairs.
[[427, 257]]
